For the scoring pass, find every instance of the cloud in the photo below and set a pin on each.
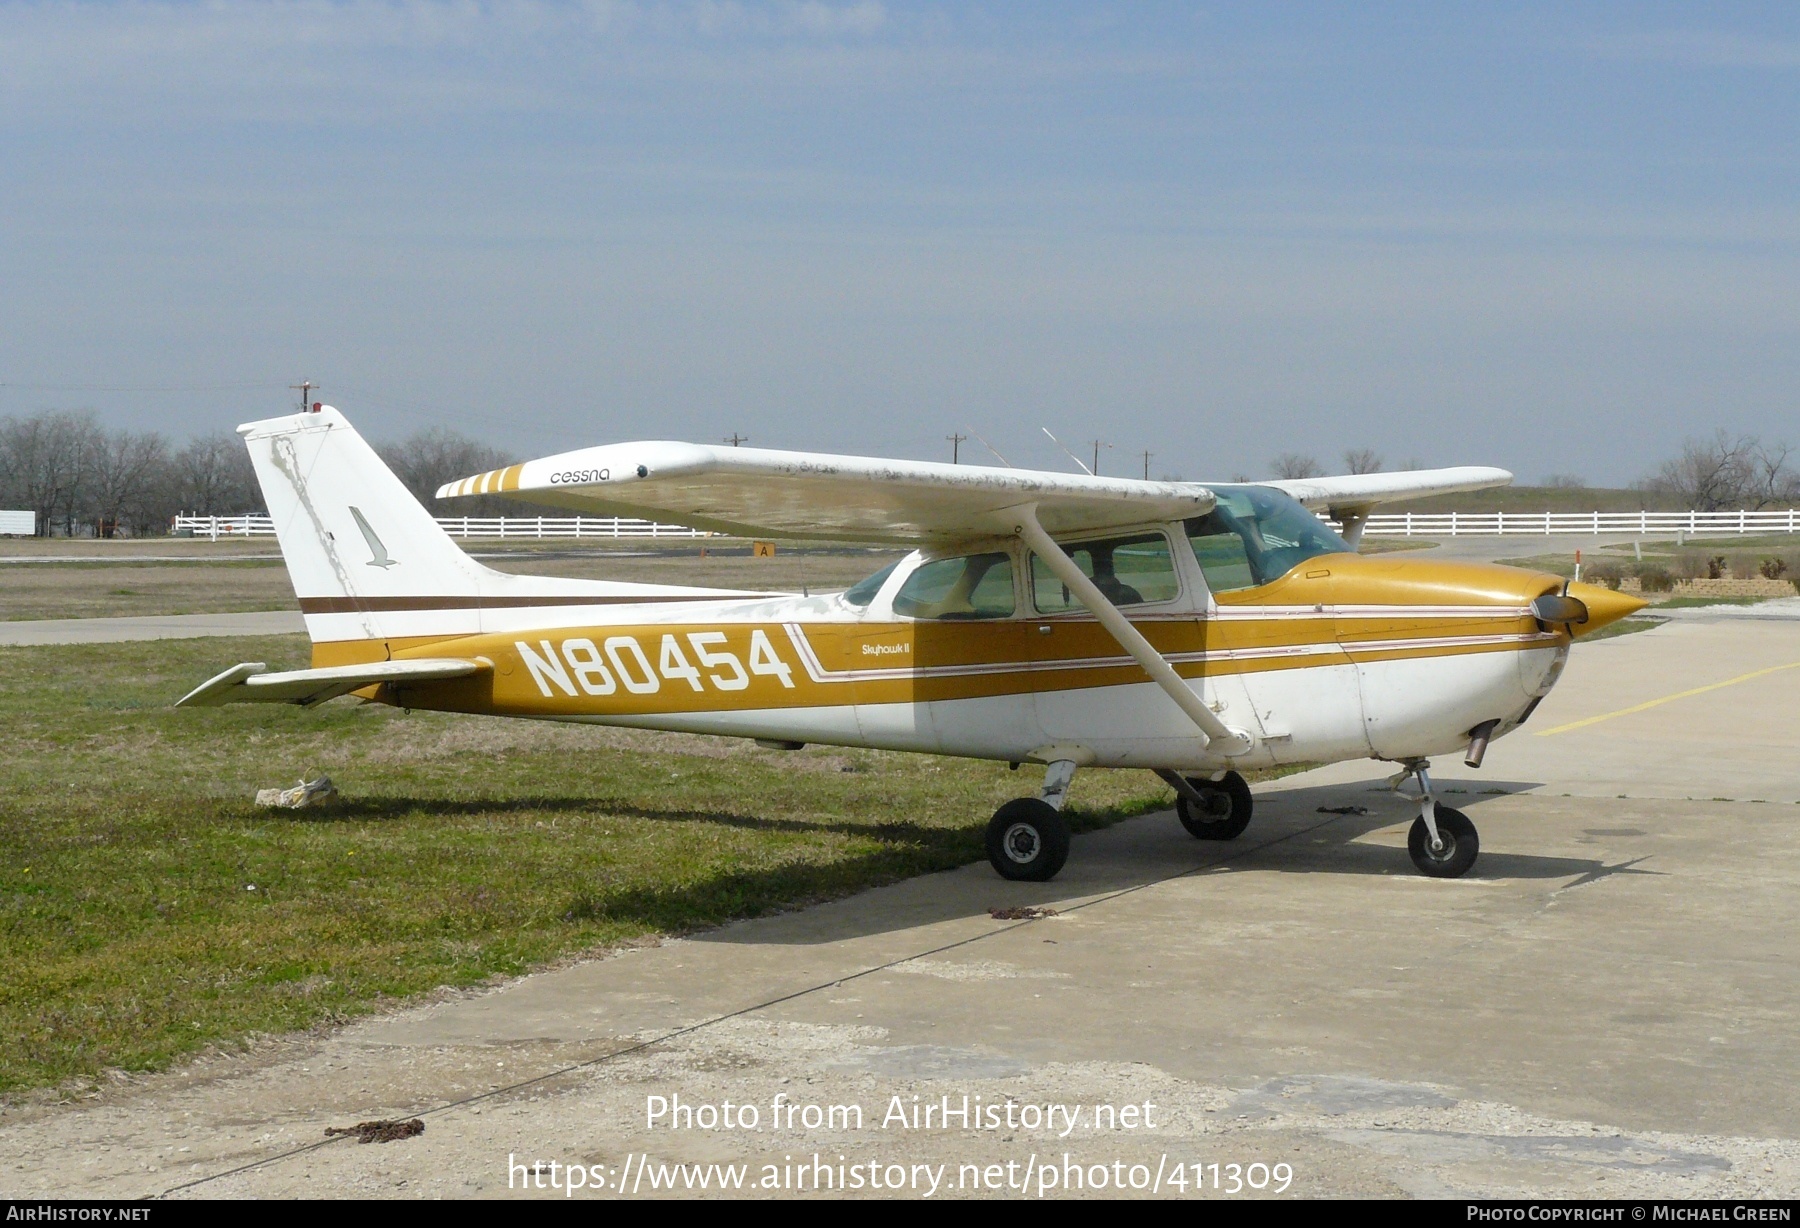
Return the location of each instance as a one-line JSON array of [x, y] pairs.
[[814, 17], [1699, 49]]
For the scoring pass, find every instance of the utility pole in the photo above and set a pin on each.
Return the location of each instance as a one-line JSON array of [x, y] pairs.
[[304, 388], [734, 439], [955, 443], [1098, 444], [1147, 455]]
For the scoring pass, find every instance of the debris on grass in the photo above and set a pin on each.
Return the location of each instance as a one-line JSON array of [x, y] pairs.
[[380, 1131], [1343, 810], [1020, 914], [305, 793]]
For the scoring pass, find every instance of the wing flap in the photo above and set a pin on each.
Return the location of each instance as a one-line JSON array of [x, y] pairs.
[[248, 684]]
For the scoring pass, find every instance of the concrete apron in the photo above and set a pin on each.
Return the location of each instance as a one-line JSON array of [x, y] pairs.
[[1603, 1007]]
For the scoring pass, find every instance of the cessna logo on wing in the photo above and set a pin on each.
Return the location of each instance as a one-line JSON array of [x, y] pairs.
[[580, 477]]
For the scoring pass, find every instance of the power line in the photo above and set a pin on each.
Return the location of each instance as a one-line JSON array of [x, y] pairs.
[[955, 443], [137, 387]]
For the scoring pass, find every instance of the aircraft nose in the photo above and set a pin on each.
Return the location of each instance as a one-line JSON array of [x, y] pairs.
[[1604, 606]]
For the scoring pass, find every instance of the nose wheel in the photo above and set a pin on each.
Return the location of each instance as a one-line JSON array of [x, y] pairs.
[[1441, 841], [1456, 846]]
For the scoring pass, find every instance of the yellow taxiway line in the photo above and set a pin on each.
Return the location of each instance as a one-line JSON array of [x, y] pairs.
[[1653, 703]]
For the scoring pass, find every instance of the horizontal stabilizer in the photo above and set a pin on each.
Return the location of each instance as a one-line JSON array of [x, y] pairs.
[[248, 684]]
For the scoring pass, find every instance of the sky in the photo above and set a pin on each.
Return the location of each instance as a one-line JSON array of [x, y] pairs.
[[1560, 238]]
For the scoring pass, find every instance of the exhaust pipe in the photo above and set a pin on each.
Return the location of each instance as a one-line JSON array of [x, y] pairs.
[[1478, 742]]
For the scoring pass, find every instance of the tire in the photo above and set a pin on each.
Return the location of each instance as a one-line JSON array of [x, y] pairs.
[[1235, 802], [1461, 845], [1027, 840]]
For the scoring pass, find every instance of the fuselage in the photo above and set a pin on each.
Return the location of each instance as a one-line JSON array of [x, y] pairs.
[[1341, 656]]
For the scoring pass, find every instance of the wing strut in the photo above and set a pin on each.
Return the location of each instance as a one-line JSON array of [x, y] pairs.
[[1219, 736]]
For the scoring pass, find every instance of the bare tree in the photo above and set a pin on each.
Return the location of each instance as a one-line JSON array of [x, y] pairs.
[[215, 477], [1725, 472], [1362, 460], [43, 463], [1566, 481], [1294, 465], [126, 475], [1768, 481], [434, 457]]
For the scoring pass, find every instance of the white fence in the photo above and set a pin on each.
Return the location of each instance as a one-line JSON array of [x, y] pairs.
[[1398, 524], [1542, 524], [504, 527]]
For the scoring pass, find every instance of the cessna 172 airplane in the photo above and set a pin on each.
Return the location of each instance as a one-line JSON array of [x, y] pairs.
[[1062, 619]]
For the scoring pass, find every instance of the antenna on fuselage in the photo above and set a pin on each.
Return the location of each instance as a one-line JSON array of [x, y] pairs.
[[1071, 455], [991, 448]]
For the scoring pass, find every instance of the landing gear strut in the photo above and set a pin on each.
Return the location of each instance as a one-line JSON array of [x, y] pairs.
[[1211, 809], [1028, 839], [1442, 841]]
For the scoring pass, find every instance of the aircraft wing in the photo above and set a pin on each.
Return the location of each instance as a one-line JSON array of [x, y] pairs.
[[1365, 490], [248, 684], [758, 492]]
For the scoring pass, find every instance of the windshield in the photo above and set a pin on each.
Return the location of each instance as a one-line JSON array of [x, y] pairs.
[[1257, 534]]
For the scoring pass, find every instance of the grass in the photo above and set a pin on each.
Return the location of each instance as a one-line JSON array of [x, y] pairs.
[[1688, 603], [1625, 626], [149, 909], [119, 586], [1393, 545]]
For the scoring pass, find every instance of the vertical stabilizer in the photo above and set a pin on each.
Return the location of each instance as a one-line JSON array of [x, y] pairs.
[[367, 561]]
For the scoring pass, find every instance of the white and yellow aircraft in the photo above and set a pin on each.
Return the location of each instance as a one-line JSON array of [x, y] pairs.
[[1066, 620]]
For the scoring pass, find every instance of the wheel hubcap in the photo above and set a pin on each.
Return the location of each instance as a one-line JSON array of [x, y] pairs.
[[1022, 843]]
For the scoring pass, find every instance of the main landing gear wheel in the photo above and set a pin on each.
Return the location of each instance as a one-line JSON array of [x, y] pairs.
[[1227, 810], [1460, 844], [1028, 840]]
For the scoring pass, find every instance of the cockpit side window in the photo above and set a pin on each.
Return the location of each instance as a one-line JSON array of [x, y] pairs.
[[972, 586], [1255, 535], [1133, 570]]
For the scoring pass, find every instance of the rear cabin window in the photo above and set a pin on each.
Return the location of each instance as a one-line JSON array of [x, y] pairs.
[[1132, 570], [1255, 535], [863, 591], [973, 586]]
